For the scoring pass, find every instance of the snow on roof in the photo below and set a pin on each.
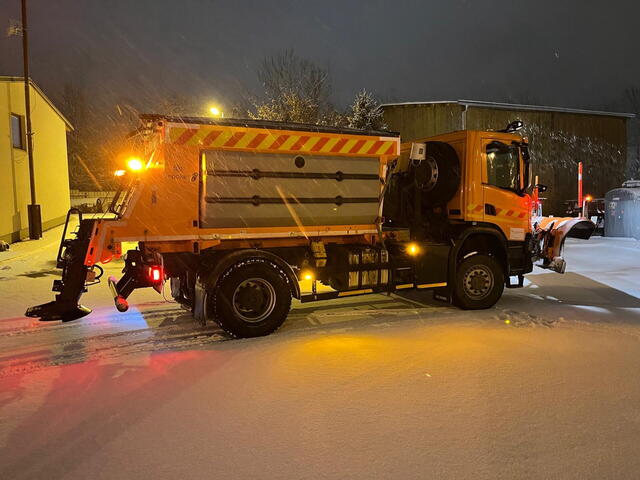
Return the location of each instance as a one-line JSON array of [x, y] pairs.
[[41, 93], [269, 124], [515, 106]]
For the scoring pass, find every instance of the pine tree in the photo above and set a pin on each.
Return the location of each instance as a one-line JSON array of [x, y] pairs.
[[366, 113]]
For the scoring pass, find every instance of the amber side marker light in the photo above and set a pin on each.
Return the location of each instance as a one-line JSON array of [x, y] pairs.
[[413, 249], [307, 275]]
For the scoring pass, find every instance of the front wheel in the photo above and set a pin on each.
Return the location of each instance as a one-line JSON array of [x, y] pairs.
[[479, 282], [252, 298]]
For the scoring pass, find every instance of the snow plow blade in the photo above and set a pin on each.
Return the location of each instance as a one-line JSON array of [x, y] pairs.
[[551, 232], [71, 257], [58, 310]]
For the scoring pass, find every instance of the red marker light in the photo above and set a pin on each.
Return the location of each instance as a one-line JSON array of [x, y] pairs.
[[155, 273]]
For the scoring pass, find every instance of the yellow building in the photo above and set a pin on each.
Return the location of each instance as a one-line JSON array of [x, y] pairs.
[[49, 157]]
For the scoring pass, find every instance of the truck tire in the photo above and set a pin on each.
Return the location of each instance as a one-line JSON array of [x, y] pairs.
[[252, 298], [438, 176], [479, 283]]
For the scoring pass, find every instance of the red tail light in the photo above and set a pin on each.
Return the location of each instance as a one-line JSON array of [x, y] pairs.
[[155, 273]]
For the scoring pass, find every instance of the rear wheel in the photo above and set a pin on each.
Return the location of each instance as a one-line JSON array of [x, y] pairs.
[[479, 282], [252, 298]]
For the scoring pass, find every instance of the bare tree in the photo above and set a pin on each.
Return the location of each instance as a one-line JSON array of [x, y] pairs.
[[333, 118], [176, 104], [75, 109], [90, 161], [294, 90]]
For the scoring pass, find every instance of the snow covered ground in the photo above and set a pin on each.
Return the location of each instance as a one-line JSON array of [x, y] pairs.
[[544, 385]]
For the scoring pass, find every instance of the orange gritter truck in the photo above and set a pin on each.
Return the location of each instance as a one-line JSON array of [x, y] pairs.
[[235, 213]]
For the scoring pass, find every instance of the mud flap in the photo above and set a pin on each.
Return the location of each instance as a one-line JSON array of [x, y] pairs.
[[443, 294], [200, 294]]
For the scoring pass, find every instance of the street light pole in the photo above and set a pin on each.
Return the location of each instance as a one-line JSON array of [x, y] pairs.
[[33, 209]]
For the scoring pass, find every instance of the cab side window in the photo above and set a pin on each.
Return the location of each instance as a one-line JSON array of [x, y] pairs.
[[503, 165]]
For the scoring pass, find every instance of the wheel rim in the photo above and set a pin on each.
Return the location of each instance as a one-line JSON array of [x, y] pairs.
[[431, 181], [478, 282], [254, 300]]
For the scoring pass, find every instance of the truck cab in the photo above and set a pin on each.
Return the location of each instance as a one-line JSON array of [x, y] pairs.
[[466, 196], [494, 181]]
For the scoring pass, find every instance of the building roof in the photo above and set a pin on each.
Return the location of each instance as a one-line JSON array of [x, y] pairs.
[[41, 93], [515, 106]]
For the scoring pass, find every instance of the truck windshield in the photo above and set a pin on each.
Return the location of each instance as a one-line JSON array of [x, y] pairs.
[[503, 166]]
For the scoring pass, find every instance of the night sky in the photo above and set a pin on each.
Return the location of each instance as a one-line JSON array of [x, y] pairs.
[[567, 53]]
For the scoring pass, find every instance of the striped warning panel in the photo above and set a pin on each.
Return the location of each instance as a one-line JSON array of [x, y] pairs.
[[476, 209], [206, 136]]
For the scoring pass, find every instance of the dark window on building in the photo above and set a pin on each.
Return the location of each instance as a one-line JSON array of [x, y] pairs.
[[503, 165], [17, 131]]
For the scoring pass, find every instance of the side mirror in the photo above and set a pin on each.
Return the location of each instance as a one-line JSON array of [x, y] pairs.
[[541, 188], [418, 152]]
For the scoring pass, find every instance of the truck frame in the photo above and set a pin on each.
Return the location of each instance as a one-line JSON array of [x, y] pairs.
[[236, 213]]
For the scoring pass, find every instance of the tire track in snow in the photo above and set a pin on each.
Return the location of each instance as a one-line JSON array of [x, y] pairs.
[[108, 346], [85, 340], [29, 329]]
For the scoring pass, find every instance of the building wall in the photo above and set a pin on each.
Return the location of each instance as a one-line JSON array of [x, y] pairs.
[[420, 121], [50, 164], [558, 141]]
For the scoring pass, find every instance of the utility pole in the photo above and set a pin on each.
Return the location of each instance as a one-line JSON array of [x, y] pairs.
[[33, 209]]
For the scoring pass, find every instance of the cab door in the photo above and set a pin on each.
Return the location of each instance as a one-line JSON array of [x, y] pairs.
[[505, 203]]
